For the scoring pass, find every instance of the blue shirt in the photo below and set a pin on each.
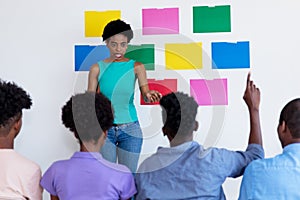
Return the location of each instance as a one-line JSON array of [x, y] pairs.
[[88, 176], [189, 171], [117, 83], [273, 178]]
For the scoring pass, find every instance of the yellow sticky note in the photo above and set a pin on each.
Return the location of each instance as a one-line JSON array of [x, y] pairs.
[[95, 21], [183, 56]]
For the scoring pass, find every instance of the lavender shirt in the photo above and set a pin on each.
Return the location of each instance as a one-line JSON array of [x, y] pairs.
[[88, 176]]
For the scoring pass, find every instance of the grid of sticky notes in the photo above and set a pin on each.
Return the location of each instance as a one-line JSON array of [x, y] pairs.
[[178, 56]]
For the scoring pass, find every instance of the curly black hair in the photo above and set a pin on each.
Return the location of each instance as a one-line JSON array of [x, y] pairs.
[[12, 100], [115, 27], [87, 115], [179, 112], [291, 115]]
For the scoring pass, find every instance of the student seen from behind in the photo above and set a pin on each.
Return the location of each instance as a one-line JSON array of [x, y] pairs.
[[19, 177], [86, 175]]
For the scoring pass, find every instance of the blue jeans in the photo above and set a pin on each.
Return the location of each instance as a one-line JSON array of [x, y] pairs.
[[125, 143]]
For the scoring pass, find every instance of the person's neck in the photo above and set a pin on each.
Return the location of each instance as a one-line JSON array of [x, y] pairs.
[[176, 142], [110, 60], [6, 143], [89, 147], [293, 141]]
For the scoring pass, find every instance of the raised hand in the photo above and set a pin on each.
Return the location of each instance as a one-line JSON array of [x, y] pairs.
[[251, 95]]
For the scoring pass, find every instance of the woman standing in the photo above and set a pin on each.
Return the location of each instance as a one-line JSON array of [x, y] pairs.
[[116, 76]]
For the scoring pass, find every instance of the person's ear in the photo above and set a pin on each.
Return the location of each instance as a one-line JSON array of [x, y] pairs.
[[101, 140], [164, 131], [17, 126], [283, 127], [105, 134], [281, 130]]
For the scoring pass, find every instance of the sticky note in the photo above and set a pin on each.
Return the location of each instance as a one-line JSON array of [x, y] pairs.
[[230, 55], [211, 19], [160, 21], [209, 92], [86, 56], [142, 53], [95, 21], [183, 56], [164, 86]]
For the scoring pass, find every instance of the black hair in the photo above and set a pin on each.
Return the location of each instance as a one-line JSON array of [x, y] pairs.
[[179, 112], [87, 115], [12, 100], [291, 115], [117, 27]]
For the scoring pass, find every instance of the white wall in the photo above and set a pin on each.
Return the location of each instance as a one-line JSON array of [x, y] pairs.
[[37, 40]]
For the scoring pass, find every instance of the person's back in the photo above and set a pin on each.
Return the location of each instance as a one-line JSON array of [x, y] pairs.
[[190, 171], [19, 176], [277, 177], [186, 170], [86, 175]]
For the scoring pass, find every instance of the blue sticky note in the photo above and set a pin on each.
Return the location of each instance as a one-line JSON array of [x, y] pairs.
[[230, 55], [86, 56]]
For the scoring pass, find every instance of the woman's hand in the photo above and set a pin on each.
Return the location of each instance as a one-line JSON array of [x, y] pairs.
[[152, 96]]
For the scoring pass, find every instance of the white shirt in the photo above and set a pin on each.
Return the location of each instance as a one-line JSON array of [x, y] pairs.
[[19, 177]]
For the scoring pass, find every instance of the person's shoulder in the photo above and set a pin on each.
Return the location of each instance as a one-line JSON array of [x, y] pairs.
[[148, 160], [260, 164], [277, 160], [94, 67], [152, 163], [59, 165], [25, 162], [115, 167], [138, 64]]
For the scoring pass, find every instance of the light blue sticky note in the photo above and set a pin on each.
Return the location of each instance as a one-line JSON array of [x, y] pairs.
[[227, 55], [86, 56]]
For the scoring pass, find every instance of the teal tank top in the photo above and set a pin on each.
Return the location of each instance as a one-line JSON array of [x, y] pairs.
[[117, 83]]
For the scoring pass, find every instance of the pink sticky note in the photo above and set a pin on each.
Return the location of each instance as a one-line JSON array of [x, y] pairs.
[[160, 21], [209, 92]]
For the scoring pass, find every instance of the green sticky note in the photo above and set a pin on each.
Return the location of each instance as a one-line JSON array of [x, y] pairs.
[[142, 53], [211, 19]]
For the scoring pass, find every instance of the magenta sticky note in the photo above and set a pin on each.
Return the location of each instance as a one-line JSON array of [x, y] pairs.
[[209, 92], [160, 21]]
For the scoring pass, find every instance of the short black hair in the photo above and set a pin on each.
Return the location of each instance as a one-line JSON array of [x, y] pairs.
[[87, 115], [179, 112], [117, 27], [12, 100], [291, 115]]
